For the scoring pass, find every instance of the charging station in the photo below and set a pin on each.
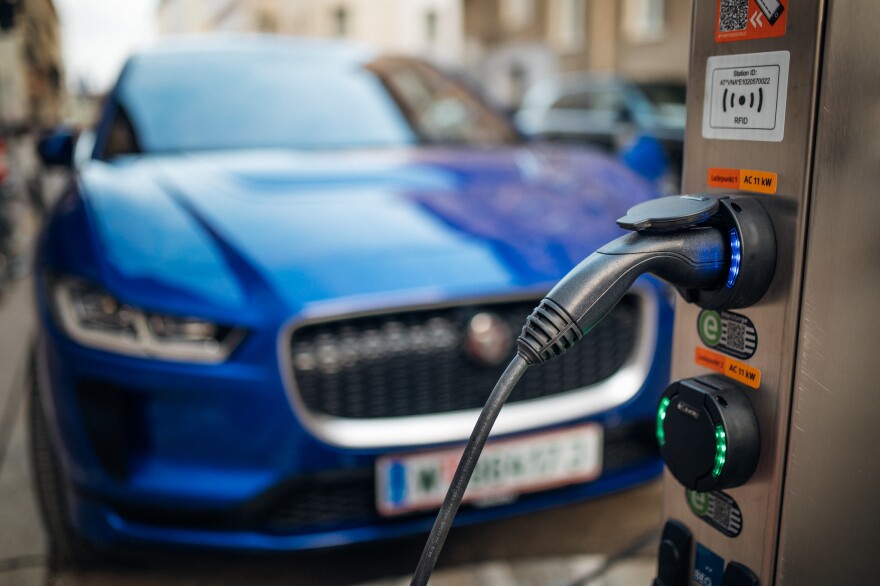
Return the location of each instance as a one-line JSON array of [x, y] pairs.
[[767, 428], [783, 105]]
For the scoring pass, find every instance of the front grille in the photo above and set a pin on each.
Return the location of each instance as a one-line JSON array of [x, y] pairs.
[[323, 499], [414, 362]]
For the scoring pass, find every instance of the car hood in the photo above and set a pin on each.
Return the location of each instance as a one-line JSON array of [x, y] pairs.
[[227, 232]]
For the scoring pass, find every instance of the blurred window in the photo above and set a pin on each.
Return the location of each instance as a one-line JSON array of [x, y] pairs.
[[441, 109], [267, 22], [121, 139], [571, 22], [516, 15], [668, 100], [644, 20], [609, 100], [431, 26], [664, 93], [340, 21], [7, 15]]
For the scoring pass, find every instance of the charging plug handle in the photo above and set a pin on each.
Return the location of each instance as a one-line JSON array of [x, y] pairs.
[[718, 252], [692, 258]]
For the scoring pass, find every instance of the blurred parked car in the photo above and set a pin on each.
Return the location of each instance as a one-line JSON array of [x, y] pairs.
[[606, 111], [282, 287]]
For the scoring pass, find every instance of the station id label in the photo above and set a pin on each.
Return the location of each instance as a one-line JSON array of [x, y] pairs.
[[745, 96]]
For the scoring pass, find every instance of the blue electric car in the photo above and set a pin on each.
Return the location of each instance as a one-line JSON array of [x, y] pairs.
[[275, 297]]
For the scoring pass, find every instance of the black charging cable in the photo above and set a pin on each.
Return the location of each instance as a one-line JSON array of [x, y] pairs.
[[669, 242], [443, 522]]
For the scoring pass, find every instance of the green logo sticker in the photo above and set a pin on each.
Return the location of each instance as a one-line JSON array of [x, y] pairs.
[[710, 327], [699, 502], [717, 509], [728, 332]]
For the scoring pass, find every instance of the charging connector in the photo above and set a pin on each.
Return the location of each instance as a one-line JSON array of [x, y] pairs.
[[690, 259], [719, 252]]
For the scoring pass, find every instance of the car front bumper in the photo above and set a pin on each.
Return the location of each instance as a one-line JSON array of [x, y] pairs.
[[159, 453]]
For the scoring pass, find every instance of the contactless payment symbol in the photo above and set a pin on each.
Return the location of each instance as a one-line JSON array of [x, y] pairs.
[[746, 96]]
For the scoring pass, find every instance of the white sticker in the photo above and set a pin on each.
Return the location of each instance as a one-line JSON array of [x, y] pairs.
[[745, 96]]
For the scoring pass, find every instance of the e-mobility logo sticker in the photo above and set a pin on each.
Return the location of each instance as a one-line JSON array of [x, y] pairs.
[[717, 509], [728, 332]]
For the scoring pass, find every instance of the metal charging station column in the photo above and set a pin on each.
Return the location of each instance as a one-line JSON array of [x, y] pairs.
[[784, 104]]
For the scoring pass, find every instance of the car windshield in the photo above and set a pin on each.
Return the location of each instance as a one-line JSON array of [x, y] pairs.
[[277, 99]]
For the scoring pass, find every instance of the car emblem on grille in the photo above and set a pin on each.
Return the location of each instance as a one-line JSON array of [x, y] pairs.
[[488, 339]]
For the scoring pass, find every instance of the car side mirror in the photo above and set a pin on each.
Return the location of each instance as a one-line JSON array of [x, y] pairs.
[[56, 148]]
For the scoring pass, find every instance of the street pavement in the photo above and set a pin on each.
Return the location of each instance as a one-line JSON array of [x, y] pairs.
[[22, 544], [557, 547]]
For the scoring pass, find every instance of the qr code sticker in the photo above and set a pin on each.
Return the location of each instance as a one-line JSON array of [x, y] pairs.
[[734, 15], [720, 512], [736, 336]]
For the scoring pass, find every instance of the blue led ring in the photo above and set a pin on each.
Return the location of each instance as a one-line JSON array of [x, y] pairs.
[[735, 258]]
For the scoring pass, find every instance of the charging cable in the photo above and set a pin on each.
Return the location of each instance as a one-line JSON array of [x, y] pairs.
[[684, 240]]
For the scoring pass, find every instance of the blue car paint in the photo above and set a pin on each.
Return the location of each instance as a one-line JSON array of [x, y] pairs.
[[492, 226], [445, 230], [273, 236]]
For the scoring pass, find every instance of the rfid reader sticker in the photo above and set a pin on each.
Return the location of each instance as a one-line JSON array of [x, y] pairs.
[[745, 96]]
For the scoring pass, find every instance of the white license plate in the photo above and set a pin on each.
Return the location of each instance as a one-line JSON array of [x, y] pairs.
[[506, 468]]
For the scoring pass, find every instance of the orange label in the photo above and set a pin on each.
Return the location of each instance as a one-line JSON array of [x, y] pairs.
[[758, 181], [742, 372], [728, 178], [743, 179], [711, 360], [750, 19], [730, 367]]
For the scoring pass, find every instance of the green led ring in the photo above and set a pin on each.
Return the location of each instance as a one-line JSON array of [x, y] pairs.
[[661, 415], [720, 450]]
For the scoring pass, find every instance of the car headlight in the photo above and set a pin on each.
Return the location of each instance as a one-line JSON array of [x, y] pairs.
[[93, 317]]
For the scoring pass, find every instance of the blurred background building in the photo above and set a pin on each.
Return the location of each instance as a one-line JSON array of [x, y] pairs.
[[31, 69], [506, 44], [32, 98], [511, 44], [427, 28]]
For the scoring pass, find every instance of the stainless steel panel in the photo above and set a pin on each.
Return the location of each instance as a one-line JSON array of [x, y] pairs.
[[776, 316], [831, 512]]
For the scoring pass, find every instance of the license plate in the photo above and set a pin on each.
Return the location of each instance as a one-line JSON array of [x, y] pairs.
[[506, 468]]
